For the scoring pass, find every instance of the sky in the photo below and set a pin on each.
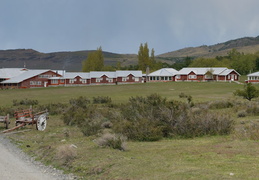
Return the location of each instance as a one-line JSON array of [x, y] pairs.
[[120, 26]]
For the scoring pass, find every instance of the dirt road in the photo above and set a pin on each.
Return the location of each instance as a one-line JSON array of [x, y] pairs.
[[15, 165]]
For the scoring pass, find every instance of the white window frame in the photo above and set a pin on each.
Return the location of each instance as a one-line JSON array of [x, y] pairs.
[[54, 81], [99, 79], [192, 76], [124, 79]]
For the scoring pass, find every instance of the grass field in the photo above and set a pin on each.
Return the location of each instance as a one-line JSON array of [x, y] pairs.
[[213, 157], [200, 91]]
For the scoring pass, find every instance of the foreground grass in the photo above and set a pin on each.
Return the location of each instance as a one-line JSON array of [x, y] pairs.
[[217, 157]]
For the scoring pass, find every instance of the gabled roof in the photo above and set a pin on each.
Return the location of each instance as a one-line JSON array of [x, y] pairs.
[[254, 74], [72, 75], [7, 73], [98, 74], [25, 75], [164, 72], [214, 70], [126, 73], [228, 71]]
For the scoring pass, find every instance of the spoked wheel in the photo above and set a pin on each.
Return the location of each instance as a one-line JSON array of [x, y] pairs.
[[41, 122]]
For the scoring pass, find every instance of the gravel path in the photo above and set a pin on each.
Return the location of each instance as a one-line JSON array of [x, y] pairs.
[[16, 165]]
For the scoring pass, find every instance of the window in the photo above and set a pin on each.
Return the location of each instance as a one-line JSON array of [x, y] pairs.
[[62, 81], [45, 76], [84, 81], [208, 76], [38, 83], [192, 76], [124, 79], [99, 79], [72, 81], [136, 79], [178, 77], [54, 81]]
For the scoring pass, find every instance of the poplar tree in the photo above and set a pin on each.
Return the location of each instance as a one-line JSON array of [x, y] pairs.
[[94, 61], [144, 60]]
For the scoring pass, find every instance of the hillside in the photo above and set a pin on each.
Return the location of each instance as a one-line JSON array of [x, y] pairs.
[[70, 61], [245, 45]]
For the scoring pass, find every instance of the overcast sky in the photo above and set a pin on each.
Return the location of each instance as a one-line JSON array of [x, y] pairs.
[[120, 26]]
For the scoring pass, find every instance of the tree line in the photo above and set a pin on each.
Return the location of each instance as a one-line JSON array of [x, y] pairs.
[[242, 63]]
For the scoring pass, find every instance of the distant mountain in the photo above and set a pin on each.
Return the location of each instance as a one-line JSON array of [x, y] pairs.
[[70, 61], [245, 45]]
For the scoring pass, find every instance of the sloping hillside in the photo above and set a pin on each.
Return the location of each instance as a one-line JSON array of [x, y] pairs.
[[70, 61], [246, 45]]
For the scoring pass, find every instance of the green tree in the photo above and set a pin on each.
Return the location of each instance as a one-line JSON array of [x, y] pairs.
[[144, 60], [249, 92], [94, 61]]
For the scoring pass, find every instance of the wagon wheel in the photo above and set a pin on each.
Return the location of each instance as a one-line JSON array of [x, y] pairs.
[[41, 122], [7, 122]]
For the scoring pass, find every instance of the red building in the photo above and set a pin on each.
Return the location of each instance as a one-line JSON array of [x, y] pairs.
[[29, 79], [207, 74]]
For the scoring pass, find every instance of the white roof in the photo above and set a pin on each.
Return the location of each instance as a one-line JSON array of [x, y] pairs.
[[126, 73], [25, 75], [98, 74], [254, 74], [203, 70], [164, 72], [7, 73], [72, 75], [228, 71]]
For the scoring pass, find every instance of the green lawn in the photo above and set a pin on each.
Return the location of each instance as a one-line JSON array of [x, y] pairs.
[[200, 91], [216, 157]]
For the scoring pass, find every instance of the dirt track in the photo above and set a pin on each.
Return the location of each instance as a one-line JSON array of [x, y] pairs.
[[15, 165]]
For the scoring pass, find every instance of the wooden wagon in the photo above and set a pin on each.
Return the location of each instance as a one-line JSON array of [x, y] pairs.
[[27, 117], [5, 120]]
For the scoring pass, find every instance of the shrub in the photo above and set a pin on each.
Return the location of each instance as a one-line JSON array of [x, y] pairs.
[[53, 108], [242, 114], [249, 131], [81, 101], [65, 154], [220, 104], [114, 141], [101, 100], [25, 102]]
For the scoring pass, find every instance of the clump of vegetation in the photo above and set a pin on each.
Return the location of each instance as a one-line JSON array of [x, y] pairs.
[[248, 131], [102, 100], [65, 154], [249, 92], [220, 104], [25, 102], [115, 141], [147, 118], [53, 108]]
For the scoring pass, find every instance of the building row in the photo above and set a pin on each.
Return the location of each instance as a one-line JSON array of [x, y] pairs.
[[29, 78]]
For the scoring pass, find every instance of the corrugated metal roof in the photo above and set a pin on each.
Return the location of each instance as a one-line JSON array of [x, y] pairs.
[[72, 75], [214, 70], [26, 75], [7, 73], [126, 73], [164, 72], [253, 74], [98, 74]]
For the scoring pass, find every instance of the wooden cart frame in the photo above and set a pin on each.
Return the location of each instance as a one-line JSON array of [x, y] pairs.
[[26, 117], [5, 120]]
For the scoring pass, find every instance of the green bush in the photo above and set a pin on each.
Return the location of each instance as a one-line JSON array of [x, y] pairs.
[[25, 102], [101, 100], [220, 104]]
